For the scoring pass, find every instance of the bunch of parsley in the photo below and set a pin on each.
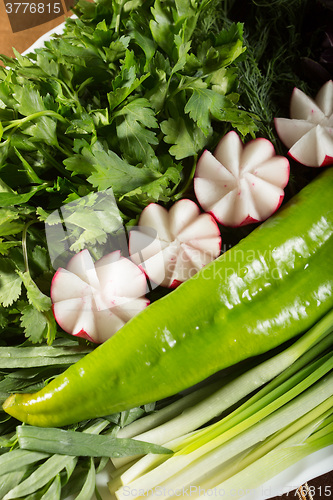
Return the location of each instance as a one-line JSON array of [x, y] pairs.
[[125, 99]]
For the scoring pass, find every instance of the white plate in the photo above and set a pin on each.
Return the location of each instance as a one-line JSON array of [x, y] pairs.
[[303, 471], [39, 43]]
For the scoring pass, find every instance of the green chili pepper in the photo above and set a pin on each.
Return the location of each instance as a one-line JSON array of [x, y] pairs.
[[273, 285]]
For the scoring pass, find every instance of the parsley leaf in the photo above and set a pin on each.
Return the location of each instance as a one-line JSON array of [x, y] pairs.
[[107, 170], [157, 190], [5, 246], [34, 323], [186, 138], [30, 102], [10, 283], [10, 222], [204, 104], [35, 297], [133, 124], [162, 27]]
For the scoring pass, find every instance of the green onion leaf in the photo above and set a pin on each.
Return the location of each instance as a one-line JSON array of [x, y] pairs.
[[52, 440]]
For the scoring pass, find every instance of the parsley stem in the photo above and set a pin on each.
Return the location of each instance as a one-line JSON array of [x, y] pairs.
[[51, 326], [47, 112], [60, 168], [118, 16], [130, 205], [53, 161], [24, 245], [188, 183], [28, 168], [63, 150]]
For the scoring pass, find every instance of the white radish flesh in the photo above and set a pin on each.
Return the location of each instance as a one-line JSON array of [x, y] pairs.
[[228, 153], [66, 285], [314, 149], [308, 134], [302, 107], [82, 266], [185, 241], [248, 187], [94, 300], [291, 131]]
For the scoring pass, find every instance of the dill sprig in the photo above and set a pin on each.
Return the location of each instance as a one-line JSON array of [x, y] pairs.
[[274, 33]]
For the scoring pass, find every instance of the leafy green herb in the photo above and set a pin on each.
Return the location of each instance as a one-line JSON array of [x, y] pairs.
[[124, 101], [10, 283]]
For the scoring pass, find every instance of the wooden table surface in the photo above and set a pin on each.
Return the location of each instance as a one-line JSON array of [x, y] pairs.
[[23, 39]]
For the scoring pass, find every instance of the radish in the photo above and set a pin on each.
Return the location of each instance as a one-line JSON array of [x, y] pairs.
[[93, 300], [308, 134], [241, 184], [171, 246]]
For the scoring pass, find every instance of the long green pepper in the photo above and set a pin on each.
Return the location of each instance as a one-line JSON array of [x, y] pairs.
[[273, 285]]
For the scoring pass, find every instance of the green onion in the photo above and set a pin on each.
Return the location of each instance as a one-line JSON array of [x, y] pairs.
[[11, 479], [269, 403], [298, 432], [26, 357], [188, 465], [54, 491], [290, 452], [89, 484], [280, 368], [41, 476], [295, 404], [52, 440], [17, 459]]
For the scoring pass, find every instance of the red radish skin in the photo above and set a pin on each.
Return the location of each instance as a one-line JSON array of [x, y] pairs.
[[174, 284], [84, 335], [240, 185], [327, 161]]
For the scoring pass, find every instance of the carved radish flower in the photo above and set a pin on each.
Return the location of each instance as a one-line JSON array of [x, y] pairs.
[[309, 132], [171, 246], [93, 300], [241, 184]]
